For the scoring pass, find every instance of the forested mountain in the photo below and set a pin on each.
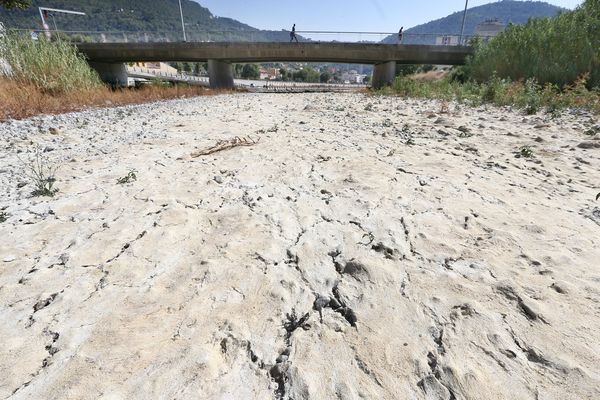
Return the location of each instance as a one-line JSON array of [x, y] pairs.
[[505, 11], [159, 20], [155, 20]]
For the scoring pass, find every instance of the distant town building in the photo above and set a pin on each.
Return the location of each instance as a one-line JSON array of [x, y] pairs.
[[489, 28], [447, 40], [270, 73], [157, 67], [352, 76]]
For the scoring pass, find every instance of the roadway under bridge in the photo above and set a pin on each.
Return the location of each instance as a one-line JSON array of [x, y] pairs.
[[109, 58]]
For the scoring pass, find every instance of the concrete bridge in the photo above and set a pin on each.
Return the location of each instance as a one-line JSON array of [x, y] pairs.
[[109, 58]]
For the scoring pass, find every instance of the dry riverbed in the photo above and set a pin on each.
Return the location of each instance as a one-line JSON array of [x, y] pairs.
[[364, 248]]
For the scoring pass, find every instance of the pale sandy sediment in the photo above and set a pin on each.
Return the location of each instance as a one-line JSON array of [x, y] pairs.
[[467, 272]]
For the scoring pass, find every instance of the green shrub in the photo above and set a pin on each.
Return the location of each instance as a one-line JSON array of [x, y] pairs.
[[53, 66], [552, 50], [528, 96]]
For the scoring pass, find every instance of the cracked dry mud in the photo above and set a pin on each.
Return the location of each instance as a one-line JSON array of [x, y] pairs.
[[365, 248]]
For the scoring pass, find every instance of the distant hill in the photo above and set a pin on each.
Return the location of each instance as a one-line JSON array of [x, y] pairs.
[[505, 11], [159, 20], [152, 19]]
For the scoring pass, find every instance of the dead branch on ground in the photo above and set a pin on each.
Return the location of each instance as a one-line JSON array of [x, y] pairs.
[[226, 144]]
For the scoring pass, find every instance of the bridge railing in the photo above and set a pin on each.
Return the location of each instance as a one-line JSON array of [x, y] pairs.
[[199, 35]]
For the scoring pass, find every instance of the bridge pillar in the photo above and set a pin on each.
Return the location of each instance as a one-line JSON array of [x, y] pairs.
[[114, 74], [220, 74], [383, 74]]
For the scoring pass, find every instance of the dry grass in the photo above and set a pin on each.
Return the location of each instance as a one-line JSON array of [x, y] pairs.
[[22, 100], [429, 76]]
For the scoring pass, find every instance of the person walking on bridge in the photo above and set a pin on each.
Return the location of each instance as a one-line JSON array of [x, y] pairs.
[[293, 34], [400, 35]]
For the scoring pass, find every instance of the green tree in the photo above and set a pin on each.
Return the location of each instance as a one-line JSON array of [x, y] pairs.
[[284, 74], [325, 76], [426, 68], [300, 75], [555, 51], [237, 70], [14, 3], [405, 69], [250, 71]]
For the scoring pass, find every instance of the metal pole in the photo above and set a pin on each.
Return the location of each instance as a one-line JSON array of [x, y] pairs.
[[182, 23], [54, 21], [462, 30]]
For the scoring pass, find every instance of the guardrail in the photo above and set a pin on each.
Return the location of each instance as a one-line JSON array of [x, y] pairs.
[[132, 70], [199, 35], [291, 87], [253, 85]]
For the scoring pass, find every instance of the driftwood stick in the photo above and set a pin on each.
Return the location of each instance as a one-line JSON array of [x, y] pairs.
[[226, 144]]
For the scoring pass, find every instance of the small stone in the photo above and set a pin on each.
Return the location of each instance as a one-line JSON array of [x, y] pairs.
[[589, 145], [64, 258], [350, 316], [320, 302], [334, 304], [54, 131], [282, 358], [218, 179], [9, 259], [560, 287]]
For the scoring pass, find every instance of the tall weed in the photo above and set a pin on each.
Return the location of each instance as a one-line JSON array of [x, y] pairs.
[[54, 67]]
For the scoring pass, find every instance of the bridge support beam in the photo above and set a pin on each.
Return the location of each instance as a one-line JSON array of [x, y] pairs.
[[383, 74], [220, 74], [114, 74]]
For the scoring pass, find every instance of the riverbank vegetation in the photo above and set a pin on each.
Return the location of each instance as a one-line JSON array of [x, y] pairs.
[[546, 64], [48, 77], [527, 95], [18, 101], [52, 67]]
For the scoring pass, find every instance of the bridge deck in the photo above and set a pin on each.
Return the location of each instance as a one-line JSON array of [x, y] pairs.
[[353, 53]]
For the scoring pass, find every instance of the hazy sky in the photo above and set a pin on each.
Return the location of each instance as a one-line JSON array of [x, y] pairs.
[[343, 15]]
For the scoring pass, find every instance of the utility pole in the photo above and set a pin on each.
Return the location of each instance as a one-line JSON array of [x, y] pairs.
[[182, 23], [462, 30]]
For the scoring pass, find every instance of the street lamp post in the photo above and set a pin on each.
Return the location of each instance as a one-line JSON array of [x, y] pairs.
[[182, 23], [462, 29]]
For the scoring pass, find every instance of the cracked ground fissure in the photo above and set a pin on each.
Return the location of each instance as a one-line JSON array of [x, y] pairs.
[[365, 247]]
